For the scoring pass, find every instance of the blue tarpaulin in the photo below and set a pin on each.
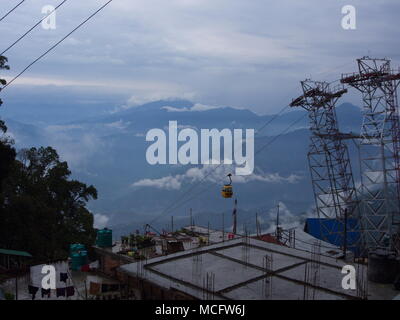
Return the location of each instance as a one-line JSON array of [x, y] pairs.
[[332, 231]]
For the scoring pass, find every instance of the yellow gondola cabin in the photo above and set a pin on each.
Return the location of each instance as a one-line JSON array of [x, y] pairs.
[[227, 191]]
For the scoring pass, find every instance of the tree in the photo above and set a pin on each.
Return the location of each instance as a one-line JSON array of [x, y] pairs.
[[7, 152], [42, 210], [3, 66]]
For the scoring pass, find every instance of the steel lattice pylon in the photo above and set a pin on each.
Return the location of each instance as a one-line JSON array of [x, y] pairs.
[[379, 148], [329, 162]]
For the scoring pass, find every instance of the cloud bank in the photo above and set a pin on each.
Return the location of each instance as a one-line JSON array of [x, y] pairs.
[[211, 174], [235, 52]]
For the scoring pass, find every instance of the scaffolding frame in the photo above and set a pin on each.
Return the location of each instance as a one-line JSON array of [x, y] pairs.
[[328, 158], [379, 152]]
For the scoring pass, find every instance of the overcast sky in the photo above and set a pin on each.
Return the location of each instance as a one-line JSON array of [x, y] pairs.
[[218, 52]]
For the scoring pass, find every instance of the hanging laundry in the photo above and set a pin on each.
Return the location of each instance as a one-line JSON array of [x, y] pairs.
[[33, 290], [94, 288], [70, 291], [63, 277], [46, 292], [60, 292], [94, 265]]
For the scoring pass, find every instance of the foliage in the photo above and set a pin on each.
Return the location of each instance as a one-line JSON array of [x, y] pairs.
[[42, 210], [3, 65], [7, 153]]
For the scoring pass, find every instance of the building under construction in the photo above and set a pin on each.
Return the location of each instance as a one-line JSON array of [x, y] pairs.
[[295, 267], [247, 268], [356, 227]]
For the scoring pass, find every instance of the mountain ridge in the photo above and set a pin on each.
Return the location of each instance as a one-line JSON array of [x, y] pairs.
[[108, 151]]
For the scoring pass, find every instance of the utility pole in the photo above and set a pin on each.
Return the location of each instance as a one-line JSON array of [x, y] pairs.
[[257, 225], [172, 224], [191, 220], [223, 227], [234, 214], [277, 217], [278, 235], [208, 232]]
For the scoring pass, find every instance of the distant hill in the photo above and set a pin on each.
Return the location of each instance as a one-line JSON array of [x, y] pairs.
[[108, 150]]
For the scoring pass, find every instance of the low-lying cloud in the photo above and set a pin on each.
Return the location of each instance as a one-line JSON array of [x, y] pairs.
[[100, 220], [287, 219], [198, 107], [212, 174]]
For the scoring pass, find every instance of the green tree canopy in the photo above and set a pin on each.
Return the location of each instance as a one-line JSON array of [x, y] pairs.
[[7, 152], [42, 210]]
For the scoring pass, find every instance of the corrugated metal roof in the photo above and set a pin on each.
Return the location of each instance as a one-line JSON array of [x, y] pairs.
[[15, 253]]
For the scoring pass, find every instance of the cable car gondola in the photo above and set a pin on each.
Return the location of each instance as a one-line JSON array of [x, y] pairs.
[[227, 191]]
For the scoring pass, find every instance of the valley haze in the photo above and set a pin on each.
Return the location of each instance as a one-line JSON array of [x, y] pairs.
[[108, 150]]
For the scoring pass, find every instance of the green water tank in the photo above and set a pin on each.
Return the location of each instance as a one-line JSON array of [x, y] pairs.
[[84, 257], [104, 238], [75, 248], [79, 259], [76, 261]]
